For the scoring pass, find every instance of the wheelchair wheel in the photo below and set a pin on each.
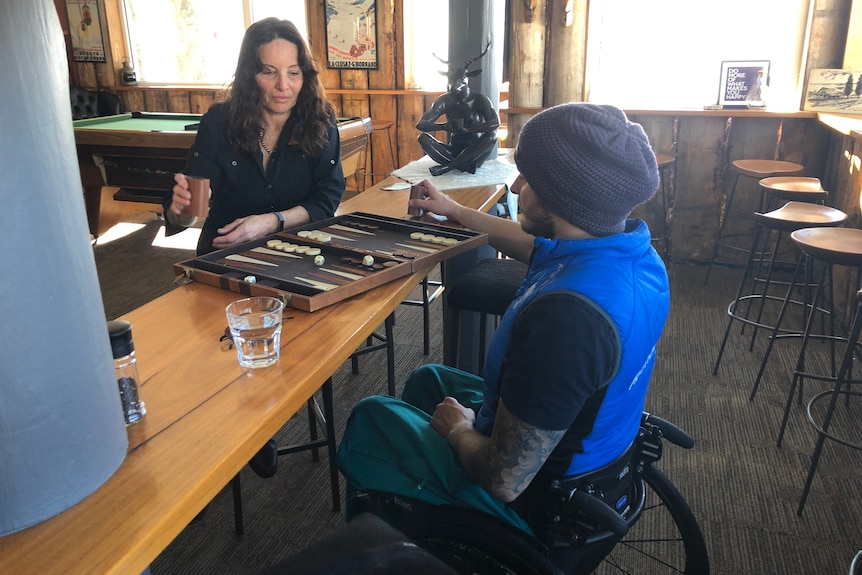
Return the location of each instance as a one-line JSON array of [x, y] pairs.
[[665, 539]]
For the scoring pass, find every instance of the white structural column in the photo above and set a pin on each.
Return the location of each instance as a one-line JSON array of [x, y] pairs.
[[62, 432]]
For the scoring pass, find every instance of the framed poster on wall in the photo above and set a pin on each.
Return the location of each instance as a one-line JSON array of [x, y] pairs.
[[85, 30], [743, 83], [351, 34], [834, 90]]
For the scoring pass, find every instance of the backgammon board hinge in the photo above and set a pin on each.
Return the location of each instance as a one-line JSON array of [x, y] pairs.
[[188, 276]]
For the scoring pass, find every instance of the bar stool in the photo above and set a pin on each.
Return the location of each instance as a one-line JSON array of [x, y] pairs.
[[375, 342], [487, 288], [790, 217], [758, 169], [325, 417], [431, 290], [665, 167], [384, 126], [778, 190], [827, 247], [841, 387]]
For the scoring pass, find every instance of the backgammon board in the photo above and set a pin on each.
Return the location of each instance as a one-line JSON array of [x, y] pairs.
[[318, 264]]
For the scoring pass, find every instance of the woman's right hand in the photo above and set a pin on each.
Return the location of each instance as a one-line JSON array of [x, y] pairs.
[[182, 197]]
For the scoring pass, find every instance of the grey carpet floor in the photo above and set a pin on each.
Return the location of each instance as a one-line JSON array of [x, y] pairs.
[[742, 487]]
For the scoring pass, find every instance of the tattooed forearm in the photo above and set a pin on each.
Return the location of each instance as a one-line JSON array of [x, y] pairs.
[[505, 463]]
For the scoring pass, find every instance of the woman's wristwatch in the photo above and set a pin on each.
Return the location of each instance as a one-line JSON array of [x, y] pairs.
[[280, 221]]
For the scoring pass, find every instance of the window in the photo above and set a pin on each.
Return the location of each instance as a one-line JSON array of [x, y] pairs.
[[668, 53], [196, 41], [426, 25], [426, 31]]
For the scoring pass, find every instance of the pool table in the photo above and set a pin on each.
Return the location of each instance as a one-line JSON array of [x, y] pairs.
[[139, 152]]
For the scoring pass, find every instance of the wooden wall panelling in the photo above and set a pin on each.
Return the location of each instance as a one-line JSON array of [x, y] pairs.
[[399, 79], [410, 110], [60, 6], [844, 182], [697, 186], [201, 100], [133, 100], [383, 108], [356, 105], [156, 101], [568, 57], [178, 102], [806, 142], [87, 75], [117, 40], [661, 134], [843, 167], [526, 69]]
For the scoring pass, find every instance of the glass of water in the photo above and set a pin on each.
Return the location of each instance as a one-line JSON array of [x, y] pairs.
[[255, 325]]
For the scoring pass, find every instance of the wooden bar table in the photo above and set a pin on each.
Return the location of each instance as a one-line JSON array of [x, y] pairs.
[[393, 203], [206, 416]]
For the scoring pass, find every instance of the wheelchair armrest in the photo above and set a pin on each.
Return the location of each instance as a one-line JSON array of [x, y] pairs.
[[599, 511]]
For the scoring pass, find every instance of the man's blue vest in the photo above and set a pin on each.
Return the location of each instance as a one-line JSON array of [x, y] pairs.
[[624, 278]]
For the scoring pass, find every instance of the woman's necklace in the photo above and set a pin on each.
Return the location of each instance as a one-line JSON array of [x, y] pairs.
[[264, 146]]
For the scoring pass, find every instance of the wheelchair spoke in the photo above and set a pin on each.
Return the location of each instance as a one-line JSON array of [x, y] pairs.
[[665, 538]]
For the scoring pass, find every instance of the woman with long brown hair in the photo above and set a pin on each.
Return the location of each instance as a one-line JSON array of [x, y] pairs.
[[271, 151]]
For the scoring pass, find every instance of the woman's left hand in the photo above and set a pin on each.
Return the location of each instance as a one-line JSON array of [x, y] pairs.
[[245, 229]]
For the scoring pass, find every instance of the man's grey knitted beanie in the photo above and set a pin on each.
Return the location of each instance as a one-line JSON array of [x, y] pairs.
[[588, 164]]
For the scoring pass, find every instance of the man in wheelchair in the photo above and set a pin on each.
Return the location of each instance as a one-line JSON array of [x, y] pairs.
[[562, 393]]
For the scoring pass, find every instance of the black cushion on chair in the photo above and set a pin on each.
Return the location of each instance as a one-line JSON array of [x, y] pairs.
[[487, 287], [84, 104], [109, 104], [87, 104]]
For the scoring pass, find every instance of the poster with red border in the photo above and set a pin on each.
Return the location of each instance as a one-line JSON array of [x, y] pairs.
[[351, 34]]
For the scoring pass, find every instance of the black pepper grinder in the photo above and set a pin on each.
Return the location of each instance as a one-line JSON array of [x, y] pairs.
[[126, 368]]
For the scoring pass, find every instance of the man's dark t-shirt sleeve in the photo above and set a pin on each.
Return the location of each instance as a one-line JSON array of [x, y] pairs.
[[562, 350]]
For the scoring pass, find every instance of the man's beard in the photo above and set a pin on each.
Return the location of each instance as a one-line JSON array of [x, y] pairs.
[[538, 222]]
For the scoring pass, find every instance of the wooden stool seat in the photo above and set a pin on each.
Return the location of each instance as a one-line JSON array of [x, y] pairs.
[[664, 160], [794, 188], [838, 246], [767, 168], [797, 215]]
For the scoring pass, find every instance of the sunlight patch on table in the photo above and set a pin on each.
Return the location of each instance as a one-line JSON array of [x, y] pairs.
[[185, 240]]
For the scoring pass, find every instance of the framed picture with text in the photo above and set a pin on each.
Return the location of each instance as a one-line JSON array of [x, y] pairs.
[[85, 30], [743, 83], [351, 34]]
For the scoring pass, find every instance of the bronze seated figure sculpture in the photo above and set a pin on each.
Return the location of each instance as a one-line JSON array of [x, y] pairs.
[[471, 123]]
